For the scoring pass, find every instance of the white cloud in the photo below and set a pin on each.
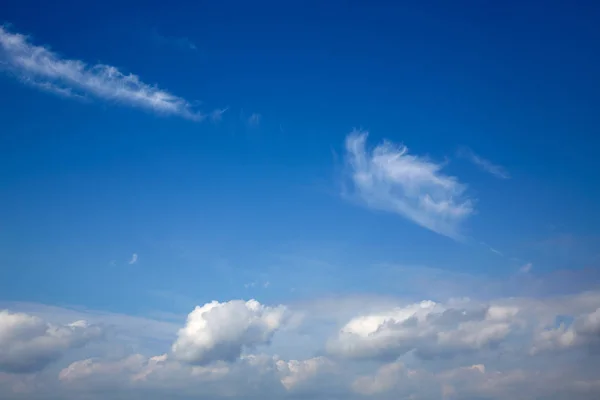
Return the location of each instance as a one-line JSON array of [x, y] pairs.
[[452, 353], [583, 331], [220, 331], [217, 115], [28, 343], [388, 178], [53, 88], [261, 376], [525, 269], [429, 328], [141, 372], [477, 381], [39, 66], [486, 165], [253, 284], [297, 372], [182, 43], [251, 375], [133, 328], [386, 378], [82, 369], [134, 258], [492, 249]]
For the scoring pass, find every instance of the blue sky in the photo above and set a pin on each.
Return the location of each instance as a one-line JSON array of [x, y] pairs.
[[161, 157]]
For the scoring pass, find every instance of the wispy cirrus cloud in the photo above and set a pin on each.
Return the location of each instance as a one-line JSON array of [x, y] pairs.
[[388, 178], [525, 269], [182, 43], [134, 259], [497, 170], [53, 88], [254, 119], [217, 115], [492, 249], [42, 68]]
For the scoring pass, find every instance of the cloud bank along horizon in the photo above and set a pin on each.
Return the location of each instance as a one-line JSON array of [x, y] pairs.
[[463, 346]]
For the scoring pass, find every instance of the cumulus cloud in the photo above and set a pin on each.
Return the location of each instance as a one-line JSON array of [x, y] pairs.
[[384, 349], [28, 343], [79, 370], [477, 381], [395, 380], [388, 178], [296, 372], [250, 375], [486, 165], [583, 331], [44, 69], [220, 331], [139, 372], [431, 329], [261, 376], [388, 377]]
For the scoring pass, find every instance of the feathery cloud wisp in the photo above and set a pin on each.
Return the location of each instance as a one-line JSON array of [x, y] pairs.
[[254, 119], [40, 67], [526, 268], [497, 170], [217, 115], [182, 43], [388, 178], [134, 258], [493, 250]]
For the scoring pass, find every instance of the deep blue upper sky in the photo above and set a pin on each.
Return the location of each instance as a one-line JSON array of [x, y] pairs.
[[215, 209]]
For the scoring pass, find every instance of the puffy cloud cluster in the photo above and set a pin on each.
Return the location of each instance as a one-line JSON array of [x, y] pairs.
[[429, 328], [261, 376], [28, 343], [220, 331], [138, 370], [388, 377], [583, 331], [251, 375], [460, 349], [477, 381], [294, 373]]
